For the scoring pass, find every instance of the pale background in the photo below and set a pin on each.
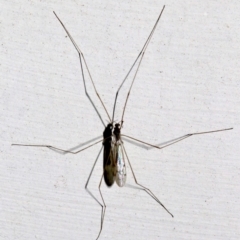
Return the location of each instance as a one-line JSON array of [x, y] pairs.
[[188, 82]]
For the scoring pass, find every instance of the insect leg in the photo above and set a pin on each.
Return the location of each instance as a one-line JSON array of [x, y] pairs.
[[81, 57], [140, 56], [147, 190], [55, 148], [103, 206], [171, 142]]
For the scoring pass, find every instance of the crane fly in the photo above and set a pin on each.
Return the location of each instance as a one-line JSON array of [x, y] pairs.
[[114, 153]]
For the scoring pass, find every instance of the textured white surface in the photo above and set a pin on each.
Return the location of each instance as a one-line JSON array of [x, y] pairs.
[[189, 82]]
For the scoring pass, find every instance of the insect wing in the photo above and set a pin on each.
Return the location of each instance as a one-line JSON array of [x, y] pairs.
[[121, 174], [109, 166]]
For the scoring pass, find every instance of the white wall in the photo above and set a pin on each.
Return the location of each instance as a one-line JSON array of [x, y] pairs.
[[188, 82]]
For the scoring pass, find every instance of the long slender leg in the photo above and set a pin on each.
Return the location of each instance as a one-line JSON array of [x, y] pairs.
[[103, 205], [86, 143], [55, 148], [176, 139], [149, 146], [90, 174], [103, 208], [140, 56], [147, 190], [60, 149], [81, 56]]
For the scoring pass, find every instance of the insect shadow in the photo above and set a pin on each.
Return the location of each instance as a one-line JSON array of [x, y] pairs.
[[114, 152]]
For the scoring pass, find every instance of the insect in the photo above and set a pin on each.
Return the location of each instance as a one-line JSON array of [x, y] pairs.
[[114, 153]]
